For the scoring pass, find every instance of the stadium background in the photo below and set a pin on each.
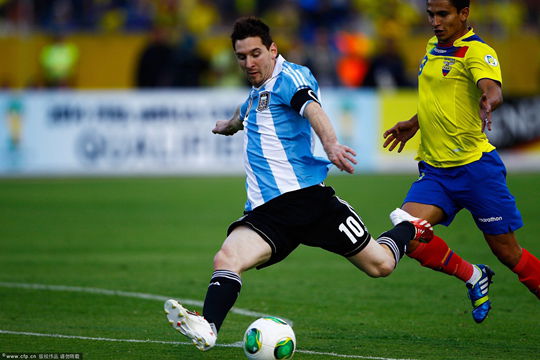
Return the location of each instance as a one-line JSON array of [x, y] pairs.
[[87, 256], [87, 49], [106, 60]]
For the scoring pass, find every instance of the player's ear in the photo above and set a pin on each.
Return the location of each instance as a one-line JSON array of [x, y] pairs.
[[464, 14], [273, 50]]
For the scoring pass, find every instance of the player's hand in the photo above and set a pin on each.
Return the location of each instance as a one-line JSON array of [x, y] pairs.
[[399, 134], [229, 127], [224, 127], [485, 112], [342, 156]]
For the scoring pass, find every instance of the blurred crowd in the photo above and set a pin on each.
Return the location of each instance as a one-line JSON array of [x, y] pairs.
[[345, 42]]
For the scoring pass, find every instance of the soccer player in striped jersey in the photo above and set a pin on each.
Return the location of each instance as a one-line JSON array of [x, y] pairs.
[[459, 85], [287, 202]]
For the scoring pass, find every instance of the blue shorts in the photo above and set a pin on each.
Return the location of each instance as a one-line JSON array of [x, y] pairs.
[[479, 187]]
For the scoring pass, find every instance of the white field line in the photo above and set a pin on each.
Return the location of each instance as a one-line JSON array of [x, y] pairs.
[[137, 295], [151, 297], [234, 345]]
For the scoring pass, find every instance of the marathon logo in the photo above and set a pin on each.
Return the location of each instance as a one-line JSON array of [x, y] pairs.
[[490, 219]]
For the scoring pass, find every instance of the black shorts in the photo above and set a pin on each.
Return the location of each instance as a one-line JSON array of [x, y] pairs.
[[312, 216]]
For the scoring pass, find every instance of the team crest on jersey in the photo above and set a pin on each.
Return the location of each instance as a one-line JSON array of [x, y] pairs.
[[490, 59], [264, 101], [447, 66]]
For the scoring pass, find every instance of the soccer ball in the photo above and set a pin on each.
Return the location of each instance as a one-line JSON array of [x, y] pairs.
[[269, 338]]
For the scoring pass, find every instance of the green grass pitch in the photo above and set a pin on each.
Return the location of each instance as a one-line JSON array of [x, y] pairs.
[[158, 236]]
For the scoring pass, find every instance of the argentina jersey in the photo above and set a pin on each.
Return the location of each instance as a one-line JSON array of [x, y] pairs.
[[278, 140]]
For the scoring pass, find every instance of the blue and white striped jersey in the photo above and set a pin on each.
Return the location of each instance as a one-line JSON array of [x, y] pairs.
[[278, 140]]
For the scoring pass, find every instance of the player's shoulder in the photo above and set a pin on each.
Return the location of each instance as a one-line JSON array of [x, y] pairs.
[[299, 75], [432, 42], [475, 43]]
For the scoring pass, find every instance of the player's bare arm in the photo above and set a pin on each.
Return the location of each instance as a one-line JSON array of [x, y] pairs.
[[400, 133], [491, 99], [229, 127], [340, 155]]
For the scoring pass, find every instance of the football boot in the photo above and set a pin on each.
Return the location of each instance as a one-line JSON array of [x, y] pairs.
[[191, 324]]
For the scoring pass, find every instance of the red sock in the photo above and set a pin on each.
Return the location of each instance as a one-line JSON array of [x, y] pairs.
[[437, 256], [528, 271]]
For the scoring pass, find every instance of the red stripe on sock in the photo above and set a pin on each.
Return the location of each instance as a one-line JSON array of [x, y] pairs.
[[438, 256], [528, 271]]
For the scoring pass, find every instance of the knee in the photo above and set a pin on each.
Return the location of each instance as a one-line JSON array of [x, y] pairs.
[[381, 268], [225, 259]]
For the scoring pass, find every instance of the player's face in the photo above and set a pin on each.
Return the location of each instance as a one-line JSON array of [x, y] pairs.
[[255, 59], [447, 23]]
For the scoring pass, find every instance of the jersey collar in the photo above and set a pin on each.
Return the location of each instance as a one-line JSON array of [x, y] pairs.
[[469, 33]]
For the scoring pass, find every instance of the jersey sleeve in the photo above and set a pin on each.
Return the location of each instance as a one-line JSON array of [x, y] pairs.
[[483, 63], [244, 108], [299, 88]]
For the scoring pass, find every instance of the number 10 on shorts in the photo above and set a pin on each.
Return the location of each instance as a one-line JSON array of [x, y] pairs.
[[352, 228]]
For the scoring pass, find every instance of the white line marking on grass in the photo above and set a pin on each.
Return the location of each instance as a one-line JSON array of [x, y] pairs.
[[137, 295], [234, 345]]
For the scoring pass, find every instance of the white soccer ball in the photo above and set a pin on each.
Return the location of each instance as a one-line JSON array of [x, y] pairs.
[[269, 338]]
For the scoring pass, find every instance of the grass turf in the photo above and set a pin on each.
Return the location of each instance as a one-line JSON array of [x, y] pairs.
[[158, 236]]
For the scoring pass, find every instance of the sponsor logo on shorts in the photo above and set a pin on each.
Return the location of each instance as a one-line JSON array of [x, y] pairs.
[[490, 219]]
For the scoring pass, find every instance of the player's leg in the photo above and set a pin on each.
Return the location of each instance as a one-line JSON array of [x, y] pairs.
[[436, 254], [381, 257], [525, 265], [242, 250], [433, 197], [341, 230], [375, 260], [495, 212]]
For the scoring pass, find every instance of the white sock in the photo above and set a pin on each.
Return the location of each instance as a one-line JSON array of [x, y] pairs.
[[476, 275]]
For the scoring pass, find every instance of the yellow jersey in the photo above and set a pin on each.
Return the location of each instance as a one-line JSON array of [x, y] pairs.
[[448, 105]]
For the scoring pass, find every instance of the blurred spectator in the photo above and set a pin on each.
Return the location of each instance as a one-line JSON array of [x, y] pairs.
[[352, 64], [139, 15], [321, 58], [332, 37], [58, 62], [198, 16], [532, 13], [59, 15], [155, 67], [387, 67], [224, 70], [189, 66]]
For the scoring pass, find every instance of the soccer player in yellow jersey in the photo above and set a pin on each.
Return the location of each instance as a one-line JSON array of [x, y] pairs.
[[459, 85]]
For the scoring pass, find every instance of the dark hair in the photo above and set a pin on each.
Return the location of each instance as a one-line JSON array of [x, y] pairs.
[[250, 26], [460, 4]]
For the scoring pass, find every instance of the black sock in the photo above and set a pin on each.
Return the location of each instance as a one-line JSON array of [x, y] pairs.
[[398, 238], [221, 295]]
